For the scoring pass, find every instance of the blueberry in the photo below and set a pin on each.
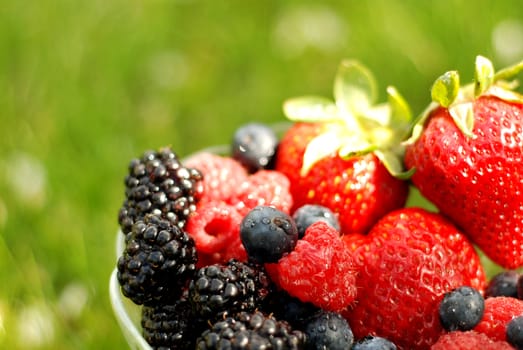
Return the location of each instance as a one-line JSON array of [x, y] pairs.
[[308, 214], [461, 309], [514, 332], [374, 343], [254, 145], [267, 234], [503, 284], [519, 286], [328, 330]]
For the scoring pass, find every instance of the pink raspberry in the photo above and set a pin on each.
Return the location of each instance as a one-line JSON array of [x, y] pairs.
[[215, 228], [320, 270], [222, 176], [498, 312], [267, 188], [469, 340]]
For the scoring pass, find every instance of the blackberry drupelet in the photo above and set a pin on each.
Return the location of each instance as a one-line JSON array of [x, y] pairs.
[[218, 290], [171, 326], [158, 261], [287, 308], [159, 184], [252, 331]]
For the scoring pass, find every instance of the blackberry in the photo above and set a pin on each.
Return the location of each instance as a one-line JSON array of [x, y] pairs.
[[254, 146], [308, 214], [290, 309], [503, 284], [159, 184], [329, 330], [171, 326], [374, 343], [218, 290], [158, 260], [514, 332], [267, 234], [461, 309], [253, 331]]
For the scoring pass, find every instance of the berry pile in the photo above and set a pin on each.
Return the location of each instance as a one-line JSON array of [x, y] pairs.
[[304, 240]]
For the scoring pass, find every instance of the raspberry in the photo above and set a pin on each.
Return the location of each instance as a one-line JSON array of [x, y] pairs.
[[319, 270], [213, 226], [498, 312], [469, 340], [221, 176], [267, 234], [265, 187], [254, 145], [461, 309]]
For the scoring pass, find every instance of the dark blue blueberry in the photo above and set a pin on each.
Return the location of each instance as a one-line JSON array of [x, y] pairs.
[[254, 145], [328, 330], [310, 213], [514, 332], [267, 234], [519, 286], [461, 309], [374, 343], [503, 284]]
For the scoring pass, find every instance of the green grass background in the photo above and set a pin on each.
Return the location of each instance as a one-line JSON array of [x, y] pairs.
[[87, 85]]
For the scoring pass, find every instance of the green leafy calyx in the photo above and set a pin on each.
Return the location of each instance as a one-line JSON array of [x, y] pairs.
[[355, 123]]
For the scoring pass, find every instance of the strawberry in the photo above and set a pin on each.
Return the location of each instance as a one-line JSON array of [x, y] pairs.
[[406, 263], [347, 155], [469, 340], [467, 155], [498, 312]]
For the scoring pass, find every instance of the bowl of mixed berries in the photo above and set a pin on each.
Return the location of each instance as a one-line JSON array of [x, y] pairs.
[[353, 226]]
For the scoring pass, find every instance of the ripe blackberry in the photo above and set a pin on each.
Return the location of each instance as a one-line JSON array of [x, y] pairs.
[[158, 260], [218, 290], [267, 234], [290, 309], [461, 309], [253, 331], [329, 330], [503, 284], [254, 145], [171, 326], [159, 184]]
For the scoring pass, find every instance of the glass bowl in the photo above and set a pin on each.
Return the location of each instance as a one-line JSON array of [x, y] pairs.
[[126, 312]]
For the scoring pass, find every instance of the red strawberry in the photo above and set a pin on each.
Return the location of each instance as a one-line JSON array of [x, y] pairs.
[[319, 270], [469, 340], [467, 152], [345, 155], [498, 312], [410, 259]]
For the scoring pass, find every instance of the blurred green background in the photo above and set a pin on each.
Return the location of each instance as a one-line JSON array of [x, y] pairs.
[[87, 85]]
